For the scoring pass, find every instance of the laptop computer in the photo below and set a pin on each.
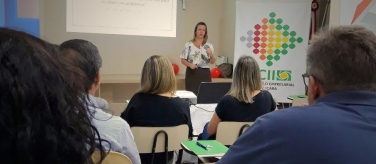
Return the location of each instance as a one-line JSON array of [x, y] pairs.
[[211, 93]]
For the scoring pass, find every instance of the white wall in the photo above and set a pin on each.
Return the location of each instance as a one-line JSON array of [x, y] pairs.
[[335, 9], [228, 30], [124, 54]]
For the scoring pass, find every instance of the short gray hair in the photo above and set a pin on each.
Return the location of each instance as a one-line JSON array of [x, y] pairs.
[[246, 80], [343, 59]]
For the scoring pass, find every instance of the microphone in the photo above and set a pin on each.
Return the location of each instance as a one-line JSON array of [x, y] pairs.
[[206, 48]]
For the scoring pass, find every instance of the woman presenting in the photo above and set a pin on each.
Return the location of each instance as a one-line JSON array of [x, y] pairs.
[[197, 55]]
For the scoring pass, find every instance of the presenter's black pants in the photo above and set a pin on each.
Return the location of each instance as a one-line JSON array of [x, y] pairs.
[[194, 77]]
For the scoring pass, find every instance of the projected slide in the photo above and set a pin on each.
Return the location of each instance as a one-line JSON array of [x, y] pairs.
[[123, 17], [359, 12]]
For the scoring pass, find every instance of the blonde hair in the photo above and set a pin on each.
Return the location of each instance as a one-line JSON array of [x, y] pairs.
[[246, 80], [157, 76]]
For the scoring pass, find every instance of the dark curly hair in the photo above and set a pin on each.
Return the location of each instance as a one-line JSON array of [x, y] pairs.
[[42, 116], [82, 54]]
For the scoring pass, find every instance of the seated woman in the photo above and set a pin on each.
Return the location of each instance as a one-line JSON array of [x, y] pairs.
[[155, 104], [41, 117], [245, 100]]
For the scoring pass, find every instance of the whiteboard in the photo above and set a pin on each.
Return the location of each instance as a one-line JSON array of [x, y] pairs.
[[123, 17]]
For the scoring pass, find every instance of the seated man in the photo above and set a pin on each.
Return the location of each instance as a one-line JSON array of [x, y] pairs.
[[339, 126], [85, 55]]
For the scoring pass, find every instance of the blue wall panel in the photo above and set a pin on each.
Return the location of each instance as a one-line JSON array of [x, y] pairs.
[[2, 13], [29, 25]]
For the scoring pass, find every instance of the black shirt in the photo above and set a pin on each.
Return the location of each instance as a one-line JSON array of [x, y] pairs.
[[231, 109], [151, 110]]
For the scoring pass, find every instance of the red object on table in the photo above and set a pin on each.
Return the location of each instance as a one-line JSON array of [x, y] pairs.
[[215, 72]]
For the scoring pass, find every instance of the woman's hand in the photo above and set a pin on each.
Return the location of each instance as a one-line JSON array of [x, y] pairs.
[[210, 52], [193, 66]]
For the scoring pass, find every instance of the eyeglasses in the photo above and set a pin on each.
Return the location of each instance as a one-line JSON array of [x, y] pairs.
[[306, 81]]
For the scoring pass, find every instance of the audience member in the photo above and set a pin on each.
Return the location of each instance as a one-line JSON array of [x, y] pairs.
[[85, 55], [155, 104], [245, 101], [339, 126], [41, 117]]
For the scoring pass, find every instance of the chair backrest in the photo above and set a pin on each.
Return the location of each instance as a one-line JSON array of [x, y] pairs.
[[111, 158], [228, 132], [299, 102], [144, 137]]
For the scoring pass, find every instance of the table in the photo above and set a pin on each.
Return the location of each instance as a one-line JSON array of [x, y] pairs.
[[201, 159], [116, 88], [292, 97], [200, 117]]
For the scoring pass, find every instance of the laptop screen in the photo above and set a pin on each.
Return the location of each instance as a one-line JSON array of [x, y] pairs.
[[210, 92]]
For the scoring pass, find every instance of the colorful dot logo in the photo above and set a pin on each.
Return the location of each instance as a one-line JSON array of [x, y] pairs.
[[271, 39]]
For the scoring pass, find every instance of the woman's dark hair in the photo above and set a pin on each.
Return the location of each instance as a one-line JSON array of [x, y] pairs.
[[206, 36], [82, 54], [42, 116]]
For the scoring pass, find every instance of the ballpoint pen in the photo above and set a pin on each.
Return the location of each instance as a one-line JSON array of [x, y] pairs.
[[201, 145]]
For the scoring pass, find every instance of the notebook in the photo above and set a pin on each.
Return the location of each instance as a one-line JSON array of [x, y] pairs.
[[292, 97], [217, 149]]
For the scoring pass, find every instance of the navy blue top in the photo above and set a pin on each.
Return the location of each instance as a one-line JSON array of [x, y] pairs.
[[231, 109], [339, 128], [151, 110]]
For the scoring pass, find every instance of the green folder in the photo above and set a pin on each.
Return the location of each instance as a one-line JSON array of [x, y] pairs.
[[292, 97], [217, 149]]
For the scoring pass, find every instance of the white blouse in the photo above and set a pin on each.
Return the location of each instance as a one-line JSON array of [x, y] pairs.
[[197, 56]]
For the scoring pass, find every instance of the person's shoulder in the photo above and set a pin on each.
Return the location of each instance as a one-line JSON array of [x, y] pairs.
[[227, 98], [293, 116], [266, 93], [101, 103], [113, 129], [289, 123], [122, 123], [180, 102], [136, 95], [189, 43], [209, 44], [139, 95], [115, 122]]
